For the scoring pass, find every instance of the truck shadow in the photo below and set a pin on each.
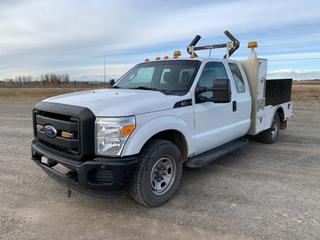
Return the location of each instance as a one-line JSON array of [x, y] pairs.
[[195, 186]]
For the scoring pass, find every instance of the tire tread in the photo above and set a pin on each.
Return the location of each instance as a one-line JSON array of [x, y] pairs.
[[136, 184], [266, 136]]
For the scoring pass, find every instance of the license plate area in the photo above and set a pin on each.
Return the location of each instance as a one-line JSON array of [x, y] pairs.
[[56, 166], [45, 160]]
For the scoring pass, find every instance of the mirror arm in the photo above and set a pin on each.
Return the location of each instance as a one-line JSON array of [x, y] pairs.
[[204, 99], [204, 89], [201, 89]]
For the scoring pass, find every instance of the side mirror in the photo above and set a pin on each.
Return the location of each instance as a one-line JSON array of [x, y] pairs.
[[221, 91], [111, 82]]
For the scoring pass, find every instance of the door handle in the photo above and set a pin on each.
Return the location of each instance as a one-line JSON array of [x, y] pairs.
[[234, 106]]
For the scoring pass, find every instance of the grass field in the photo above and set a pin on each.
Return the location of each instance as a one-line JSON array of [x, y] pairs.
[[306, 92], [33, 94], [303, 91]]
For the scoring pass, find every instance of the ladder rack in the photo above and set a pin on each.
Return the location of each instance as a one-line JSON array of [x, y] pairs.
[[231, 46]]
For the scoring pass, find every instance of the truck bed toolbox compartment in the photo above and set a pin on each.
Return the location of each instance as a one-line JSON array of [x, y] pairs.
[[278, 91]]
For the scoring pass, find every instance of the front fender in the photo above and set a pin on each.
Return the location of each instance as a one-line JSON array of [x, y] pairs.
[[150, 128]]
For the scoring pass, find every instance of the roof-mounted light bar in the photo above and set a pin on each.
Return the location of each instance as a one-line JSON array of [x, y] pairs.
[[231, 46]]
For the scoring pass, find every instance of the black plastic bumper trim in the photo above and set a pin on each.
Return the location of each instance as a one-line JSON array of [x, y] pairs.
[[122, 171]]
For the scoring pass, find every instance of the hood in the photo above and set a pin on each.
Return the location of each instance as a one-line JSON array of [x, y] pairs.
[[118, 102]]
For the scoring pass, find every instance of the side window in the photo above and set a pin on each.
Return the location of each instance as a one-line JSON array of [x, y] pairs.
[[211, 72], [237, 76]]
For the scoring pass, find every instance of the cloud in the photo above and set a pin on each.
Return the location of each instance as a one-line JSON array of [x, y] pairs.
[[124, 24], [293, 71], [41, 35], [296, 74], [299, 55]]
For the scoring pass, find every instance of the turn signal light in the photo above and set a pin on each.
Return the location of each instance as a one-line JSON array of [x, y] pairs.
[[128, 129], [66, 134]]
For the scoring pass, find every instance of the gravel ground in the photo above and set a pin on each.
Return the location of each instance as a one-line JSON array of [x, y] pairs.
[[258, 192]]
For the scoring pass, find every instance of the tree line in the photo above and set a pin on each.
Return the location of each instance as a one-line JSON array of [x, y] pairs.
[[48, 80]]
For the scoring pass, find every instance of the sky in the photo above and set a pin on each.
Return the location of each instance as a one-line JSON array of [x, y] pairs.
[[73, 36]]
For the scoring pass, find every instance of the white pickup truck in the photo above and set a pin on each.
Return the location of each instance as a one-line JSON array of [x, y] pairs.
[[160, 116]]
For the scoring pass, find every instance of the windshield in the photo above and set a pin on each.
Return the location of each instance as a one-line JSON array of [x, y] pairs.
[[169, 77]]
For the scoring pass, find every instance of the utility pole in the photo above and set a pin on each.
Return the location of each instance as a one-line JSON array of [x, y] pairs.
[[104, 69]]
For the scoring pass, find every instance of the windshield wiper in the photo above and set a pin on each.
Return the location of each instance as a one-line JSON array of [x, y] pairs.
[[145, 88]]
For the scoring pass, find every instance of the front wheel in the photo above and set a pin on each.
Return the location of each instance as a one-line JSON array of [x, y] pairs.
[[158, 174], [271, 135]]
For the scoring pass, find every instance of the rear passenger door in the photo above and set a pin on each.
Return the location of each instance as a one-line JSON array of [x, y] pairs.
[[241, 99]]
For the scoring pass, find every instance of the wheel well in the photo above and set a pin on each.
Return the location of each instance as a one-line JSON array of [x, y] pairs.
[[283, 123], [281, 113], [175, 137]]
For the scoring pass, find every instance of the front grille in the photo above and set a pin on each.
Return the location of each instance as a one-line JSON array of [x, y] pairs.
[[55, 115], [61, 123], [74, 129]]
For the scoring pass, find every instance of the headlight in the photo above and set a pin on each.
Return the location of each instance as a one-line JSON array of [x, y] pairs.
[[112, 133]]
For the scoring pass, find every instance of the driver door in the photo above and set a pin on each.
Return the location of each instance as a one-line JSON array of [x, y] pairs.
[[213, 121]]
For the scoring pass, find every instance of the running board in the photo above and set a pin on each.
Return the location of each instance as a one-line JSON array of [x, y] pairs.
[[208, 157]]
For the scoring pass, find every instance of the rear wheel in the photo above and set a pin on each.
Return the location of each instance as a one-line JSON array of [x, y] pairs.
[[158, 174], [271, 135]]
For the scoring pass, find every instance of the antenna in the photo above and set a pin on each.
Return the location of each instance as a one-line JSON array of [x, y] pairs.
[[231, 46], [104, 68]]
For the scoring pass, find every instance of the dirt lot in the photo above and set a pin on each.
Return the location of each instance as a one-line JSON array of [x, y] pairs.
[[259, 192]]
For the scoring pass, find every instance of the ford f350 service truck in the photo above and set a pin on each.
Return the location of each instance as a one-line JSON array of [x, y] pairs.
[[160, 116]]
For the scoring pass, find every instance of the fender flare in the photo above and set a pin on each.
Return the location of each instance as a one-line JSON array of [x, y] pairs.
[[141, 135], [274, 113]]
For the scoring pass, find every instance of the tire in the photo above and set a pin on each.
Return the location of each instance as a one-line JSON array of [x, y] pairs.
[[271, 135], [158, 174]]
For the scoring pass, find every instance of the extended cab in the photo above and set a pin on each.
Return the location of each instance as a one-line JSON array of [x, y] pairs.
[[160, 116]]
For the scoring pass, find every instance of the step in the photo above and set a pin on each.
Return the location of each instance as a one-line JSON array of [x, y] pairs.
[[204, 159]]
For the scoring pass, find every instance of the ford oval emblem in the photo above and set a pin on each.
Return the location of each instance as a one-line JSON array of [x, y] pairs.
[[50, 131]]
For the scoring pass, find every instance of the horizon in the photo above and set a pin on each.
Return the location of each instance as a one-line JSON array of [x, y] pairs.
[[72, 37]]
